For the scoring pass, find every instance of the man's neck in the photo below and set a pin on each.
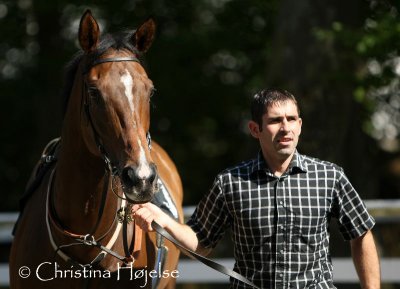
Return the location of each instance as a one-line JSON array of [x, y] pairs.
[[278, 166]]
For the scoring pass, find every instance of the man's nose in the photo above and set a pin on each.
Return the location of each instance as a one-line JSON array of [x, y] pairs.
[[284, 125]]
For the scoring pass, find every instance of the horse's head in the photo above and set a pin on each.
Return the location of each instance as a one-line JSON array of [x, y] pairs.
[[116, 95]]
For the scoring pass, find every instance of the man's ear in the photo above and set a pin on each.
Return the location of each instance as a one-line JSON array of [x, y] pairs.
[[254, 128]]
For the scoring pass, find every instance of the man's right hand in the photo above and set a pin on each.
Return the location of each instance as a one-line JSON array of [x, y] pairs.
[[145, 214]]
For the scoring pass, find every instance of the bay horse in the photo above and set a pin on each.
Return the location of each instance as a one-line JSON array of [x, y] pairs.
[[75, 230]]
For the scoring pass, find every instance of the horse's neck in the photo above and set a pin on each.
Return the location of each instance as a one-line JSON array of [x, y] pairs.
[[77, 187], [80, 177]]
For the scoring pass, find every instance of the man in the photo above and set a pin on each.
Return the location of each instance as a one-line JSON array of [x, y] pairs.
[[278, 206]]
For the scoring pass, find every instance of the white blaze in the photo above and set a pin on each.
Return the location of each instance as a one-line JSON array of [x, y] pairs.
[[127, 81], [144, 170]]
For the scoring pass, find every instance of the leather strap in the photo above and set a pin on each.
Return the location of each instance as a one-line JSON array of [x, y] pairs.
[[111, 59], [137, 245], [80, 239], [57, 225], [115, 59], [218, 267]]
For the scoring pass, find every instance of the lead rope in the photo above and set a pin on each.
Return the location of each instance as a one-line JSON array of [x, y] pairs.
[[218, 267]]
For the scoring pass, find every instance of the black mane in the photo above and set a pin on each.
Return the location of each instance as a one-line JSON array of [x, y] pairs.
[[120, 41]]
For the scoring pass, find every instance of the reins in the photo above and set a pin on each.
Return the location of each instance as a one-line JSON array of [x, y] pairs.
[[210, 263]]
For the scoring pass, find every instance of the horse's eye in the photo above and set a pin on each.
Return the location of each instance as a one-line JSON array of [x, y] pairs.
[[152, 91], [94, 94]]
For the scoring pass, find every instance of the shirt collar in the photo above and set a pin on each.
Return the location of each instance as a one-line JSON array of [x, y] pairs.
[[259, 164], [297, 164]]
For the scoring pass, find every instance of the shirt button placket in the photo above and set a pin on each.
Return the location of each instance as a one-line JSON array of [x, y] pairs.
[[280, 234]]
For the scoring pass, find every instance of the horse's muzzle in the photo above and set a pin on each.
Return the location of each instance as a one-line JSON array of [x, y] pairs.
[[138, 183]]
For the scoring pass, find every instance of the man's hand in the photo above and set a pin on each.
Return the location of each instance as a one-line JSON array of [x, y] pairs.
[[145, 214]]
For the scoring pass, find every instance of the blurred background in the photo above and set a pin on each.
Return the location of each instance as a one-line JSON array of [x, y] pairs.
[[339, 58]]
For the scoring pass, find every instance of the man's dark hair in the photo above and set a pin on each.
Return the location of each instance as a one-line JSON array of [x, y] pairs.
[[267, 97]]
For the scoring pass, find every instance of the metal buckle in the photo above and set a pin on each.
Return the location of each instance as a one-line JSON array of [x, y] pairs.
[[124, 214], [48, 158], [86, 240]]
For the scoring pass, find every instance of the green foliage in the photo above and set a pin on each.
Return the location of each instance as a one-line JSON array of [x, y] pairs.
[[375, 45]]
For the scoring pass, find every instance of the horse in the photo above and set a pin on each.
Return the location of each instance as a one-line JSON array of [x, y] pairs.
[[76, 229]]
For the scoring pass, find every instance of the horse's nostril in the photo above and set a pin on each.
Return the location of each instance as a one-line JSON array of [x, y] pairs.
[[152, 177], [153, 174], [129, 177]]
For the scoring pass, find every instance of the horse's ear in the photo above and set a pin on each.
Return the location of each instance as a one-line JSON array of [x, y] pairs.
[[144, 35], [89, 32]]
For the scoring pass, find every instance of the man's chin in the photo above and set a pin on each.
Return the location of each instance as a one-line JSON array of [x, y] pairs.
[[285, 152]]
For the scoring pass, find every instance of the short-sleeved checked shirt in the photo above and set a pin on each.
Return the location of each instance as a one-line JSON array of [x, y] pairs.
[[280, 225]]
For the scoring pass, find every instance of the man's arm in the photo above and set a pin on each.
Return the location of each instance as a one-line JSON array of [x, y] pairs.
[[144, 214], [366, 261]]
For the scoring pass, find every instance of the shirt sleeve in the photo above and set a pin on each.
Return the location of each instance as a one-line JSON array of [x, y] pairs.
[[211, 218], [350, 211]]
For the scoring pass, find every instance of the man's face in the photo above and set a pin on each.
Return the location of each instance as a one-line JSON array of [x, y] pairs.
[[281, 128]]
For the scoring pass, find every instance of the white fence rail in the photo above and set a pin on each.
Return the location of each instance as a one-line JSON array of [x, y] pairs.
[[194, 272]]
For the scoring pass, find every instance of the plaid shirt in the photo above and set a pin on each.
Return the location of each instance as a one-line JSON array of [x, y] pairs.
[[280, 225]]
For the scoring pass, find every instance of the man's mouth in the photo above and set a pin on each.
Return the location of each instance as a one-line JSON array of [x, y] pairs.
[[284, 140]]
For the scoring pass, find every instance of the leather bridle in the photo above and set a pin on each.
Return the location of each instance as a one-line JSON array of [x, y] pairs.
[[110, 172]]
